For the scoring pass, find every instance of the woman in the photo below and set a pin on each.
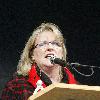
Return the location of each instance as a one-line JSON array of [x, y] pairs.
[[35, 65]]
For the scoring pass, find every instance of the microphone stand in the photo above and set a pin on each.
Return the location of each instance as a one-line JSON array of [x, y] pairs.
[[78, 64]]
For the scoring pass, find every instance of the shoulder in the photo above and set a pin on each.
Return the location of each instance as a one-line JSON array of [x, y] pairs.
[[18, 87], [18, 82]]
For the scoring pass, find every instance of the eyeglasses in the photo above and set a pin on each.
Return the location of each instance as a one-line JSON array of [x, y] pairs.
[[44, 43]]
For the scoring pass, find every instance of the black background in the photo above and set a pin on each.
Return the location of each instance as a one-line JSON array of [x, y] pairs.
[[79, 21]]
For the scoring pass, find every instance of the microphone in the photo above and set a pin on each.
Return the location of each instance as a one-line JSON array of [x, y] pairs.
[[63, 63], [59, 61]]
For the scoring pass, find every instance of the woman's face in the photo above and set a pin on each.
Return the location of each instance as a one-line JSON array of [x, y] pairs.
[[47, 45]]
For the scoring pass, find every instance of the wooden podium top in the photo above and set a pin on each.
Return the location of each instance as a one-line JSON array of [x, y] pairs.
[[61, 91]]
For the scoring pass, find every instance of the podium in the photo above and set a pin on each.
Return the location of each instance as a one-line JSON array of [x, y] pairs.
[[61, 91]]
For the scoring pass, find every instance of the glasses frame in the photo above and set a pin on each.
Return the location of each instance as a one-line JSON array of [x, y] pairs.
[[54, 43]]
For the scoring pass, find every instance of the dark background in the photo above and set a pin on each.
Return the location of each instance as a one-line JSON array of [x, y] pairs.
[[79, 21]]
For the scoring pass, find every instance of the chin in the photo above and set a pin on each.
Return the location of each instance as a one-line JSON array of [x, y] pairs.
[[48, 64]]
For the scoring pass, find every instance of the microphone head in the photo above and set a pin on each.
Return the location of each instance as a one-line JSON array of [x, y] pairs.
[[52, 59]]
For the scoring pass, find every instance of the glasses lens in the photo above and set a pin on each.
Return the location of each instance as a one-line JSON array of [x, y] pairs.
[[56, 43]]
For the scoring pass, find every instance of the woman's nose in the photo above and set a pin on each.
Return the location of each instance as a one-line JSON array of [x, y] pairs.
[[50, 47]]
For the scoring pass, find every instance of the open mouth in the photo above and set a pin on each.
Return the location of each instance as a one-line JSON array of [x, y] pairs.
[[49, 56]]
